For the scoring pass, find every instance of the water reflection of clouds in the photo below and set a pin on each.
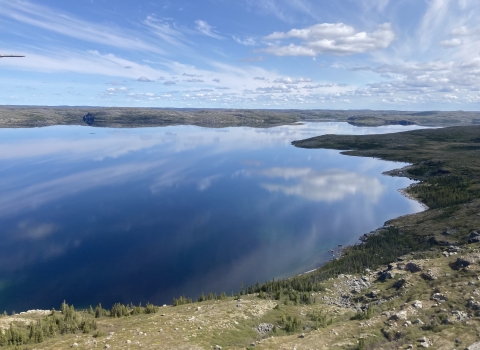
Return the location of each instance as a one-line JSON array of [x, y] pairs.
[[206, 182], [108, 143], [324, 186], [28, 229], [40, 193]]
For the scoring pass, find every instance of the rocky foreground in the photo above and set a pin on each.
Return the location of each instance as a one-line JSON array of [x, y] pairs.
[[411, 303]]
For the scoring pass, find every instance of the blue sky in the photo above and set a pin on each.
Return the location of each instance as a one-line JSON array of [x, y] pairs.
[[344, 54]]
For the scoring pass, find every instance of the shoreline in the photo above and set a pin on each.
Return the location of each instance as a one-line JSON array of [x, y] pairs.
[[403, 192]]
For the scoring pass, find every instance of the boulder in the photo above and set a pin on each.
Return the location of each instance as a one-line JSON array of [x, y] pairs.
[[474, 237], [459, 316], [413, 267], [474, 346], [417, 304], [439, 296], [425, 342], [263, 328], [473, 304], [429, 275], [401, 315], [463, 262], [384, 275], [400, 283]]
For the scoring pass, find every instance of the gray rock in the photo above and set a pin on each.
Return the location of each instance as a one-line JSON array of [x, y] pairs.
[[453, 249], [418, 321], [459, 316], [74, 345], [425, 342], [107, 346], [218, 347], [474, 237], [385, 275], [401, 315], [263, 328], [475, 305], [417, 304], [413, 267], [429, 275], [464, 262], [439, 296], [400, 283], [474, 346], [302, 335]]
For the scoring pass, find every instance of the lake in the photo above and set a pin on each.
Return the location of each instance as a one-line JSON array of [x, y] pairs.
[[134, 215]]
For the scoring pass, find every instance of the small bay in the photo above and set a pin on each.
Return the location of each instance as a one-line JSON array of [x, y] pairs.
[[134, 215]]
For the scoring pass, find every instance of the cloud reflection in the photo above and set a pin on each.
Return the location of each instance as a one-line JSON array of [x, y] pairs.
[[48, 191], [323, 186], [33, 230]]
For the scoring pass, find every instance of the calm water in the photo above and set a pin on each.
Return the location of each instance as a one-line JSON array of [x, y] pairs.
[[133, 215]]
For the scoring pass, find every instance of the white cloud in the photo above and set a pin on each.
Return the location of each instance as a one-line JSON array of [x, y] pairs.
[[282, 9], [290, 50], [315, 32], [206, 29], [333, 39], [51, 20], [145, 80], [288, 80], [451, 43], [166, 31], [248, 41]]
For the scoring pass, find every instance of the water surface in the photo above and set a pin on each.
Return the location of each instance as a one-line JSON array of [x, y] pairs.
[[134, 215]]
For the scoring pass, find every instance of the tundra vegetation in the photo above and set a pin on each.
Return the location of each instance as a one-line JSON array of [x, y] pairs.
[[27, 117], [414, 283]]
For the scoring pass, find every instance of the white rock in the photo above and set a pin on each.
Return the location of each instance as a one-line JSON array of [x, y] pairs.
[[474, 346], [417, 304]]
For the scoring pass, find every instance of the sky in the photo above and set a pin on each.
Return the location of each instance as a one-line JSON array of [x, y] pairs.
[[299, 54]]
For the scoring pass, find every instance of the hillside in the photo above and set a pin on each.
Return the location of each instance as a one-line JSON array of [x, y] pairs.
[[114, 117]]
